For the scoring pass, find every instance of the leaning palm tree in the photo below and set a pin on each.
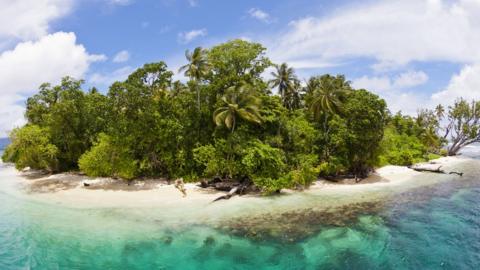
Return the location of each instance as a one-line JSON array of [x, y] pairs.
[[237, 103], [285, 79], [196, 69]]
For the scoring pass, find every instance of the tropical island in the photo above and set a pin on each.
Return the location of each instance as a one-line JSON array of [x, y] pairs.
[[225, 127]]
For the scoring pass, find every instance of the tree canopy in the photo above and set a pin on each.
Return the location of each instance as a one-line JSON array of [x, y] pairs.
[[225, 121]]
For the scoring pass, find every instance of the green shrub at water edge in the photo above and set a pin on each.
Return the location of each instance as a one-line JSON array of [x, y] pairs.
[[30, 147]]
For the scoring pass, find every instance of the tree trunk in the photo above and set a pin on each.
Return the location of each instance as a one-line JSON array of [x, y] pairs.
[[198, 97], [453, 150], [457, 146], [234, 123]]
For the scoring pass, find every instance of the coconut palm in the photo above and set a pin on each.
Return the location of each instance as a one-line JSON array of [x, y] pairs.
[[196, 69], [327, 93], [293, 99], [440, 111], [285, 79], [240, 103]]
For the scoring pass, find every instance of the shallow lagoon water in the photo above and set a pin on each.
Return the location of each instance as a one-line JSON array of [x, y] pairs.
[[432, 227]]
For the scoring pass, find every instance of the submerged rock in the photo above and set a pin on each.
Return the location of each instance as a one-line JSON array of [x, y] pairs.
[[209, 241], [167, 240]]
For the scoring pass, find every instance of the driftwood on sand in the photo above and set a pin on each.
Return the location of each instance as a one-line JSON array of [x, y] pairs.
[[181, 186], [227, 196], [232, 187], [420, 168]]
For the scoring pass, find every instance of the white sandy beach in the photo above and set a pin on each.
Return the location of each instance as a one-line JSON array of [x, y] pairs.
[[163, 202], [393, 178]]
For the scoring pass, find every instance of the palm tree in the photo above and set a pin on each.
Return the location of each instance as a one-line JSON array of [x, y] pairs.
[[327, 94], [440, 111], [285, 79], [326, 97], [293, 98], [237, 103], [196, 69]]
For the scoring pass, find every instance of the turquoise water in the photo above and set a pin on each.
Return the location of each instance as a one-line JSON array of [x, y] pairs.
[[427, 228]]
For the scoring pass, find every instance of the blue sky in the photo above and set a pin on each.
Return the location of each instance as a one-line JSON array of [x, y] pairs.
[[413, 53]]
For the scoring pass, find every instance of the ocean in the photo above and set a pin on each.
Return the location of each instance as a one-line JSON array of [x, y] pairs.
[[432, 227]]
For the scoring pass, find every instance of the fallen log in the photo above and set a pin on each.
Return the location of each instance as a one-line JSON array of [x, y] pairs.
[[238, 189], [227, 196], [434, 170], [423, 169]]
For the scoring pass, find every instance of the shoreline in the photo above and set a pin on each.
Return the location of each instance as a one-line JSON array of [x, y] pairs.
[[67, 188], [294, 213]]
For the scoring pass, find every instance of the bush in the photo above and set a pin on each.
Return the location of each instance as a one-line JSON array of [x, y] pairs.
[[30, 147], [401, 149], [306, 171], [272, 185], [260, 162], [443, 152], [332, 167], [106, 158], [300, 177], [432, 156], [219, 159]]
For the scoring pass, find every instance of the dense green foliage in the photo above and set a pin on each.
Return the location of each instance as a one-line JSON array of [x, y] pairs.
[[108, 158], [31, 147], [408, 140], [223, 122]]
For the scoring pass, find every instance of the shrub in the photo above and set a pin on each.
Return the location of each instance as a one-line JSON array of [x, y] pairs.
[[401, 149], [106, 158], [30, 147], [332, 167], [261, 161], [432, 156], [219, 159], [305, 172]]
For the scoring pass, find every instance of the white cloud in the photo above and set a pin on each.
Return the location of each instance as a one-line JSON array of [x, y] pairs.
[[186, 37], [410, 79], [465, 84], [121, 57], [193, 3], [29, 19], [11, 114], [32, 63], [396, 90], [259, 15], [106, 79], [120, 2], [375, 84], [384, 83], [394, 33]]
